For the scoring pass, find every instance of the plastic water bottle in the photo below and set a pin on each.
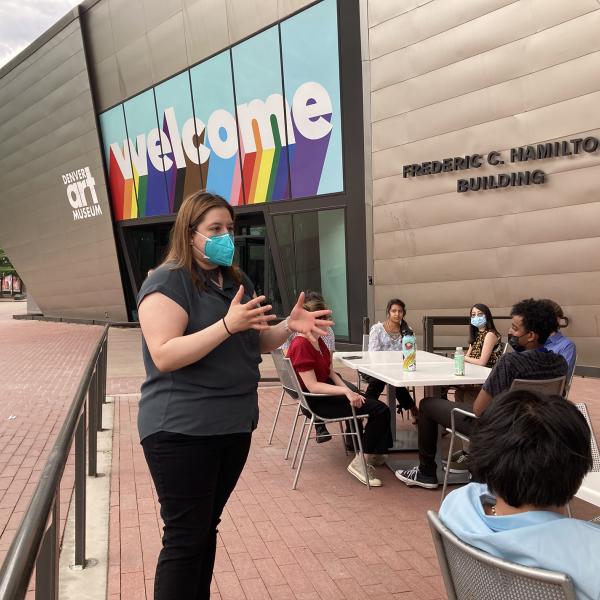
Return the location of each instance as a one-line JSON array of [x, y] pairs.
[[459, 361], [409, 352]]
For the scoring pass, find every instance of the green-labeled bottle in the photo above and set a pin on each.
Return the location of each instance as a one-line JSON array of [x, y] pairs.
[[459, 361]]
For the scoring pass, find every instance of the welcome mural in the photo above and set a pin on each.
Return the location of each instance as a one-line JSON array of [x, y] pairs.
[[258, 122]]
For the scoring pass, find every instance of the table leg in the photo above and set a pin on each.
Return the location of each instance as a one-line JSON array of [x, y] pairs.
[[405, 440]]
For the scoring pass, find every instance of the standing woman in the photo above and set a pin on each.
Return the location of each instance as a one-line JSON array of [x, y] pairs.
[[203, 332], [388, 336]]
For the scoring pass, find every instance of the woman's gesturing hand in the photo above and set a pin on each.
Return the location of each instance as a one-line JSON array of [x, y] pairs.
[[251, 315], [355, 399], [309, 323]]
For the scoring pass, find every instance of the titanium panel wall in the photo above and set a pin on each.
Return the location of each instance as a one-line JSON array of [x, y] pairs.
[[47, 130], [449, 78], [135, 44]]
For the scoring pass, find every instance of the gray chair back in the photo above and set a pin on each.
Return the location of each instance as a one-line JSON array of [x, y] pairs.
[[594, 444], [288, 382], [545, 386], [471, 574], [570, 380]]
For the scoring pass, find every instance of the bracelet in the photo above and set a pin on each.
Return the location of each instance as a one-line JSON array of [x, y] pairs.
[[286, 325], [225, 325]]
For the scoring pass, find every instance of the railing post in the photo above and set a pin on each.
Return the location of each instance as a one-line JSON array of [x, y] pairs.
[[80, 491], [93, 426], [46, 565], [104, 369], [99, 392]]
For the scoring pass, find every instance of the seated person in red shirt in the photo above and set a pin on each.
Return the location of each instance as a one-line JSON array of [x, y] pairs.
[[312, 363]]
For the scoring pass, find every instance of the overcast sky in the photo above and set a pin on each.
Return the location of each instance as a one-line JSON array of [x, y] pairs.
[[22, 21]]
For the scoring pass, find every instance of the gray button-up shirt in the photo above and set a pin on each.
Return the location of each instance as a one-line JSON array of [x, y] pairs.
[[215, 395]]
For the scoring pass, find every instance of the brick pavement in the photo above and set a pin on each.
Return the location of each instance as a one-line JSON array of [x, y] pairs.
[[330, 539], [41, 365]]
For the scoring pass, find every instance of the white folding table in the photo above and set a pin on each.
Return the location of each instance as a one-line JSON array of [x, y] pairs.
[[433, 371], [590, 489]]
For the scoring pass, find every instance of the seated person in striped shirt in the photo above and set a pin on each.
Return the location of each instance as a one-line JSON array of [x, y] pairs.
[[532, 322]]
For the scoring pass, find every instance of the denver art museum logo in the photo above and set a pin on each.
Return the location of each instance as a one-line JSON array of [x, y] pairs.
[[84, 205]]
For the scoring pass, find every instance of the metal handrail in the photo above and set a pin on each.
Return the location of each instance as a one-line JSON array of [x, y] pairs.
[[429, 321], [33, 544]]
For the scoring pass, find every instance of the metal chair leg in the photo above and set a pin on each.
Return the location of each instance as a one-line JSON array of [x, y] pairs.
[[299, 442], [292, 432], [343, 436], [447, 471], [276, 415], [310, 427]]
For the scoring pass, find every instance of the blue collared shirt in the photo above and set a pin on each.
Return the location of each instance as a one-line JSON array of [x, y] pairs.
[[540, 538], [560, 344]]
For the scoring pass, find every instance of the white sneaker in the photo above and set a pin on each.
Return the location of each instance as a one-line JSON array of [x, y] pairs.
[[377, 460], [356, 468]]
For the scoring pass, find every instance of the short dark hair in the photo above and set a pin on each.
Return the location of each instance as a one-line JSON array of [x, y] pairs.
[[530, 448], [538, 317], [558, 311], [395, 301]]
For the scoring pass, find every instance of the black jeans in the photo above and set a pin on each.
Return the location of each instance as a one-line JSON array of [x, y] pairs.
[[377, 436], [193, 476], [403, 397], [432, 413]]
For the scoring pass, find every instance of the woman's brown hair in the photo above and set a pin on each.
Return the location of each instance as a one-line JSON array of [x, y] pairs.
[[191, 213], [313, 301]]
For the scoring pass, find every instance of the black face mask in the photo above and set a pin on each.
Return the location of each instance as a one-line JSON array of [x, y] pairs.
[[513, 340]]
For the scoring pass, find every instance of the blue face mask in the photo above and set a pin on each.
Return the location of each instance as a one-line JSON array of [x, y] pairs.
[[219, 249], [479, 321]]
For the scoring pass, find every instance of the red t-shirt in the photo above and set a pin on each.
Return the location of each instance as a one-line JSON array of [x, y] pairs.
[[305, 357]]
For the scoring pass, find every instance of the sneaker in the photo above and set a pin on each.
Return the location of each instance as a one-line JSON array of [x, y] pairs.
[[453, 457], [356, 468], [322, 432], [377, 459], [414, 477], [459, 463]]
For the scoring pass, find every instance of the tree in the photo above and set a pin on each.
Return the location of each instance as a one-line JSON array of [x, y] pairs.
[[6, 267]]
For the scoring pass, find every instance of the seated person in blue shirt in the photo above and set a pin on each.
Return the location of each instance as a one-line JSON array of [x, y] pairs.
[[531, 324], [559, 343], [530, 453]]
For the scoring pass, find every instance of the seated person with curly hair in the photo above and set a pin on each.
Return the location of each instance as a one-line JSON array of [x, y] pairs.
[[529, 452]]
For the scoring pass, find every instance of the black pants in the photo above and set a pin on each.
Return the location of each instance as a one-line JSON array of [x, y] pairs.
[[193, 476], [377, 436], [376, 386], [432, 413]]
